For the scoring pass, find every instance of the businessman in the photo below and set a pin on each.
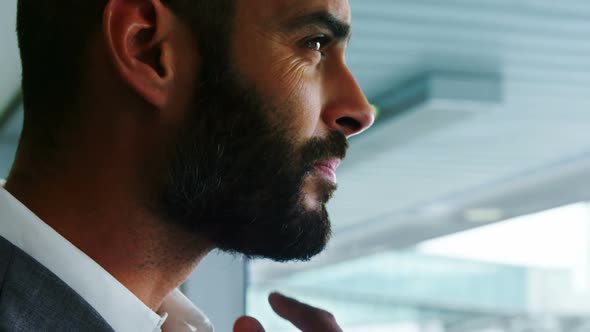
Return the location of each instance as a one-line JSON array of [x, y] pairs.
[[158, 130]]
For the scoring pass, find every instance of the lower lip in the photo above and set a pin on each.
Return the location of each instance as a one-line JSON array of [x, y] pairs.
[[327, 172]]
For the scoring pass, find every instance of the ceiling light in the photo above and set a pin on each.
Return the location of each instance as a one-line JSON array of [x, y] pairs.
[[483, 215]]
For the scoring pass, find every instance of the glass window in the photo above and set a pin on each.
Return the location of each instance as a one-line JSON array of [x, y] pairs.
[[530, 273]]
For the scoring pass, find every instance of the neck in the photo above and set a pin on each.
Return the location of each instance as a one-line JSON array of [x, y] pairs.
[[110, 223]]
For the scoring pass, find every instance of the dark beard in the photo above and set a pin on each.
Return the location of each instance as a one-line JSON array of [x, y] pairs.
[[235, 177]]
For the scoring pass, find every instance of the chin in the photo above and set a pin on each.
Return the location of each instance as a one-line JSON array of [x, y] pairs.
[[316, 192], [311, 202], [295, 234]]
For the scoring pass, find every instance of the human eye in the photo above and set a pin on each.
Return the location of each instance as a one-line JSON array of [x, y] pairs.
[[317, 43]]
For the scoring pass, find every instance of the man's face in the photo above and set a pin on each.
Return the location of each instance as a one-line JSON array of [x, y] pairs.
[[254, 163]]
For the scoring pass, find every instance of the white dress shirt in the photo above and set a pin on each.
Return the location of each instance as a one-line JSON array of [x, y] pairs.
[[120, 308]]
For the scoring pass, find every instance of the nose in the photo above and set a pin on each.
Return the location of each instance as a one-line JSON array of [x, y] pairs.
[[347, 109]]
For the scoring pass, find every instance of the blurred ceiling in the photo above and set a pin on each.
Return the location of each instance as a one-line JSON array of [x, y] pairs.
[[418, 174], [537, 49]]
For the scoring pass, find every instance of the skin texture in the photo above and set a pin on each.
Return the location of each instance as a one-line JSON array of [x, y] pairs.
[[138, 91]]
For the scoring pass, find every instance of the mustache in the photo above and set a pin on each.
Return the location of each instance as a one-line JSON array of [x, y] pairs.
[[334, 146]]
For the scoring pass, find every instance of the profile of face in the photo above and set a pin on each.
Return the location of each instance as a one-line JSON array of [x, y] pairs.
[[253, 163]]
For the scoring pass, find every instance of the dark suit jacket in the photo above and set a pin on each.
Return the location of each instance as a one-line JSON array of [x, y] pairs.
[[33, 299]]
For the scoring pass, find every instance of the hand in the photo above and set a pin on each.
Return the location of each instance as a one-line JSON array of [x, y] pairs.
[[303, 316]]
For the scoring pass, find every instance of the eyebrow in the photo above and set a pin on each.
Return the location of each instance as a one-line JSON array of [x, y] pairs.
[[339, 29]]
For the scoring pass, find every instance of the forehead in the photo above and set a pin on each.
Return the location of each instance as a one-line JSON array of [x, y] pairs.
[[278, 10]]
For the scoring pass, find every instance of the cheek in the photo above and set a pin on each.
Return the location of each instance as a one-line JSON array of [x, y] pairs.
[[308, 113], [297, 86], [287, 80]]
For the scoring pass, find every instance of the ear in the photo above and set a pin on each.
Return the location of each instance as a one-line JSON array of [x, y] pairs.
[[137, 38]]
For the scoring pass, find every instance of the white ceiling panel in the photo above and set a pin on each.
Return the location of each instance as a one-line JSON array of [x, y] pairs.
[[527, 41]]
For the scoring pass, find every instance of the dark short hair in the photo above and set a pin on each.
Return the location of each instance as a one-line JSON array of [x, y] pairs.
[[54, 34]]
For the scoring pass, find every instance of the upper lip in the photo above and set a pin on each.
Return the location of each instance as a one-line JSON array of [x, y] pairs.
[[329, 163]]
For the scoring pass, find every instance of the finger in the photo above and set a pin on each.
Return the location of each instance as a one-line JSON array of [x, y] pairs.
[[303, 316], [248, 324]]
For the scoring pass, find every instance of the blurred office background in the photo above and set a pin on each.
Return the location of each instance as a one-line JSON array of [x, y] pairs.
[[466, 207]]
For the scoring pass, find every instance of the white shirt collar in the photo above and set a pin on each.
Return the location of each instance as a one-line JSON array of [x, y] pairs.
[[118, 306]]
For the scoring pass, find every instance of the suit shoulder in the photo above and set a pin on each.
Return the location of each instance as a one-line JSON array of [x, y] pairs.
[[32, 298], [7, 250]]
